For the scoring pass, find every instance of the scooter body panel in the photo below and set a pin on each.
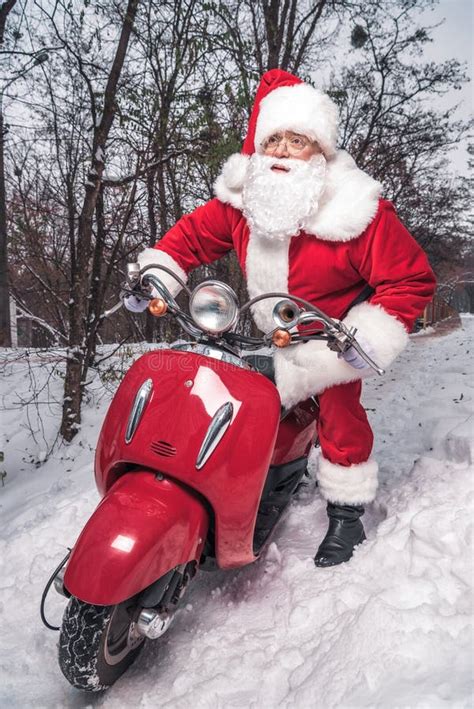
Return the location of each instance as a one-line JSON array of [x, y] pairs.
[[142, 528], [296, 434], [187, 391]]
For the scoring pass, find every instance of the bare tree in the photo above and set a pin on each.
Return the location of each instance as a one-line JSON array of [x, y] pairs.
[[268, 34], [113, 157], [78, 304], [394, 133]]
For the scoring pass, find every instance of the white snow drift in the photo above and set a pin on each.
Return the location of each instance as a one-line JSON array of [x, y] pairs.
[[392, 628]]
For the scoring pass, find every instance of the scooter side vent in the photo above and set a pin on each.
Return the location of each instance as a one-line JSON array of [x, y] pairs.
[[163, 448]]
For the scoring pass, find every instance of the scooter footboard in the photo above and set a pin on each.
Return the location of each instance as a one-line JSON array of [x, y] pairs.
[[143, 527]]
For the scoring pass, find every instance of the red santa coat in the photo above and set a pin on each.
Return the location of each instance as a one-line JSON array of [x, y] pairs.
[[353, 239]]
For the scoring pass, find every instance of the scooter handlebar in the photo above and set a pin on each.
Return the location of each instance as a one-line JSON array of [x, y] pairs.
[[338, 336]]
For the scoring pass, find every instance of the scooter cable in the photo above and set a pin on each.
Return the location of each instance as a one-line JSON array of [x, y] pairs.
[[46, 591]]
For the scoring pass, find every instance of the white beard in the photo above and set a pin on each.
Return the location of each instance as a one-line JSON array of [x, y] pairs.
[[276, 203]]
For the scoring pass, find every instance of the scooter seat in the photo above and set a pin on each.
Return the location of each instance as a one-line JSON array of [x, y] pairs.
[[262, 364]]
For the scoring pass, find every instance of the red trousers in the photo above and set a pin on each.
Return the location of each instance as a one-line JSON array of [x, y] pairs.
[[344, 431]]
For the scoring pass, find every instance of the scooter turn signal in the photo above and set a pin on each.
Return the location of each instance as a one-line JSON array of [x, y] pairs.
[[281, 338], [158, 307]]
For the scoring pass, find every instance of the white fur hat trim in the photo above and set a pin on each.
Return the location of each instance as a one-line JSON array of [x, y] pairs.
[[302, 109]]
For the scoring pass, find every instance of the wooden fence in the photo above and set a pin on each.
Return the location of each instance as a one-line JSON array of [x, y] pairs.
[[436, 311]]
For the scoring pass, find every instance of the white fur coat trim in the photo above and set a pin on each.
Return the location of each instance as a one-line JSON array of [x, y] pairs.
[[306, 369], [266, 270], [229, 185], [149, 256], [347, 206], [348, 485]]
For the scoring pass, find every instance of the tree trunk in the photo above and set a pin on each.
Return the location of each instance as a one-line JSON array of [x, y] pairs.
[[5, 334], [95, 300], [78, 304]]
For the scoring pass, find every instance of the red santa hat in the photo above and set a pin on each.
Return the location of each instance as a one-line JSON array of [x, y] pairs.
[[282, 102]]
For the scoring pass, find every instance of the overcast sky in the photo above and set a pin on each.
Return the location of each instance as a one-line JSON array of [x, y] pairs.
[[454, 39]]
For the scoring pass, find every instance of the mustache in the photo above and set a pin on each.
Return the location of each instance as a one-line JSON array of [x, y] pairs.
[[274, 167], [267, 163], [282, 164]]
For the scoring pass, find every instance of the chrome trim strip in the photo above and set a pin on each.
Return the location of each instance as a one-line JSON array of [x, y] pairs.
[[138, 407], [218, 426], [213, 352]]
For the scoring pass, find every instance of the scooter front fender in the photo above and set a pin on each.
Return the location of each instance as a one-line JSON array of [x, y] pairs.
[[142, 528]]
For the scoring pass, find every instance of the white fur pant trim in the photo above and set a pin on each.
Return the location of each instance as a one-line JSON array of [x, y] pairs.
[[348, 485], [149, 256]]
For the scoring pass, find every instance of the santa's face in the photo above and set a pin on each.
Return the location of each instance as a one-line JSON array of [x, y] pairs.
[[288, 144], [283, 185]]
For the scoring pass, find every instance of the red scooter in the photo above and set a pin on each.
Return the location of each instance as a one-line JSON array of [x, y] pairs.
[[196, 462]]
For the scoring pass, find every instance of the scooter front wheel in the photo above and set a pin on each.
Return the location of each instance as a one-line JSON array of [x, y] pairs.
[[97, 643]]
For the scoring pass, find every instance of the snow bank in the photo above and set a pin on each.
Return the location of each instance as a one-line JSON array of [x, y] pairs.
[[392, 628]]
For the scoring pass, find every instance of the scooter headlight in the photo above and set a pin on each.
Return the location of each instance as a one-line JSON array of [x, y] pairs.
[[213, 306]]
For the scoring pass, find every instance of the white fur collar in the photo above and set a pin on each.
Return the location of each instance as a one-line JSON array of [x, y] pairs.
[[347, 206]]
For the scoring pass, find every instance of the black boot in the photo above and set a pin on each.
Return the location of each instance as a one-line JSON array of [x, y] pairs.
[[345, 531]]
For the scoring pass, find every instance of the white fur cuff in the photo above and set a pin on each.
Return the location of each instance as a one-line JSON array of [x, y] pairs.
[[348, 485], [307, 369], [149, 256], [385, 335]]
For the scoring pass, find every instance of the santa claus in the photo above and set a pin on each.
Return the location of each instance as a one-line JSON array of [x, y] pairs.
[[304, 219]]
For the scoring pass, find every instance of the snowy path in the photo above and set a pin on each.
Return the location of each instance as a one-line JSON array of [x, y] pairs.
[[392, 628]]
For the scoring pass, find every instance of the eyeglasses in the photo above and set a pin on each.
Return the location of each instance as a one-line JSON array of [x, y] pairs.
[[294, 143]]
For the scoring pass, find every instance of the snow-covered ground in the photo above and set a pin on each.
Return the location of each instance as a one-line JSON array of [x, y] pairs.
[[392, 628]]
